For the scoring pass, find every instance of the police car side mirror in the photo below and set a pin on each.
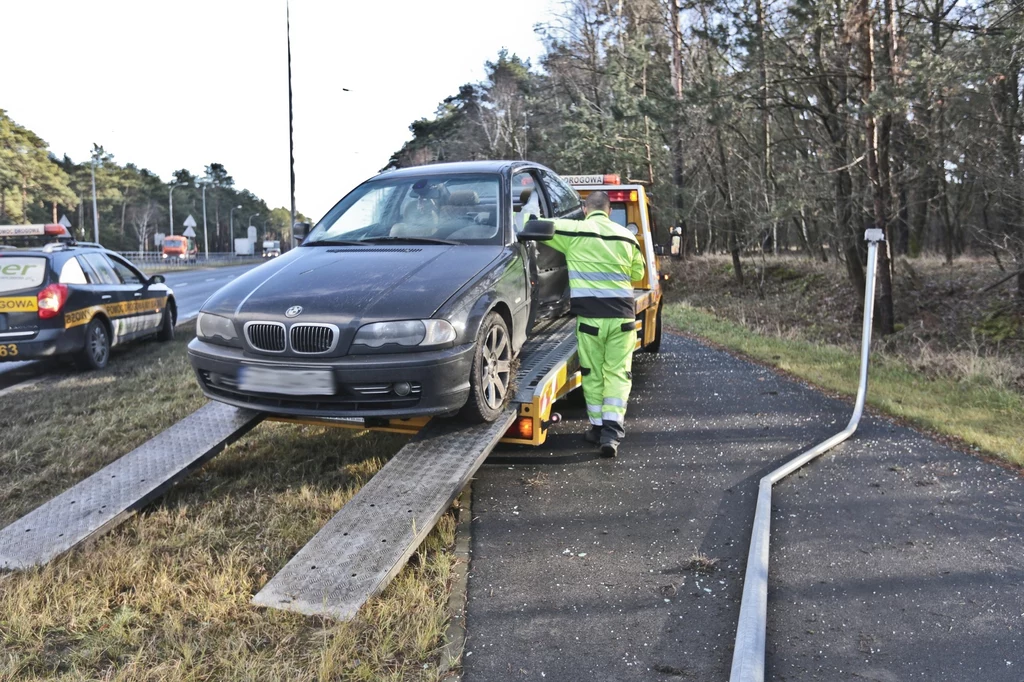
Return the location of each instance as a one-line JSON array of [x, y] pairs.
[[157, 279], [300, 230], [537, 230]]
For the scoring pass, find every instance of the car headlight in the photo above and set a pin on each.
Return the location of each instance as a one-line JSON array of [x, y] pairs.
[[164, 255], [215, 328], [405, 333], [181, 255]]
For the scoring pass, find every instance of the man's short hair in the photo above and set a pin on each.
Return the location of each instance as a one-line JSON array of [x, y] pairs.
[[598, 201]]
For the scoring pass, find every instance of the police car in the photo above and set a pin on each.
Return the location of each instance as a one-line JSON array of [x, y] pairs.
[[59, 297]]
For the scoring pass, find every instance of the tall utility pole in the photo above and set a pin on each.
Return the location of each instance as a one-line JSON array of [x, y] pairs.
[[95, 215], [291, 126], [206, 234]]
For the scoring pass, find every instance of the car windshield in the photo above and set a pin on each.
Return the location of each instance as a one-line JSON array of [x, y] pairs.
[[442, 208], [174, 243]]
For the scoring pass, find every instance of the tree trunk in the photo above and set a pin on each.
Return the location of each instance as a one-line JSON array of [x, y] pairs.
[[884, 312]]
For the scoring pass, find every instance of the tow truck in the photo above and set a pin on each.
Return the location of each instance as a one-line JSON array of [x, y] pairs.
[[559, 371], [369, 540]]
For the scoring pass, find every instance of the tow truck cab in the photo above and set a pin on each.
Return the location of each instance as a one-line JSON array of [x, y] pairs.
[[631, 209]]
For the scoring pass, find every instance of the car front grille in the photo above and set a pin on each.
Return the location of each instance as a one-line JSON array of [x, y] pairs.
[[313, 338], [265, 336]]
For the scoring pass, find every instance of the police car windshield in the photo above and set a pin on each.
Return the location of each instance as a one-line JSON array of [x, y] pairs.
[[454, 208]]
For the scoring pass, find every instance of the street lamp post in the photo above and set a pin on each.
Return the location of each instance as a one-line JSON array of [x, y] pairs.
[[170, 204], [231, 223], [206, 234], [95, 215]]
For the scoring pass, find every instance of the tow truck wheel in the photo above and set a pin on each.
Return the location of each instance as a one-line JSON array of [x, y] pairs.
[[491, 373], [655, 345], [96, 353], [166, 332]]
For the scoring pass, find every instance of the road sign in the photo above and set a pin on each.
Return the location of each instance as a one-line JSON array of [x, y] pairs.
[[64, 222], [190, 222], [189, 232], [158, 239]]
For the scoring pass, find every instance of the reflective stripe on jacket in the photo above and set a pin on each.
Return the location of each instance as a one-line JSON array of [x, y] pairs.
[[604, 260]]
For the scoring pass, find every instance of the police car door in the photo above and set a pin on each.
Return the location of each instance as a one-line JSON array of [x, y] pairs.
[[145, 306], [112, 293]]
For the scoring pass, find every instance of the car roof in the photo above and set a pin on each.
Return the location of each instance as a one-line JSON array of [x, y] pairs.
[[54, 250], [461, 167]]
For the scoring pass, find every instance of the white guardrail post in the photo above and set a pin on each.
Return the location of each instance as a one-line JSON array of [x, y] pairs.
[[748, 653]]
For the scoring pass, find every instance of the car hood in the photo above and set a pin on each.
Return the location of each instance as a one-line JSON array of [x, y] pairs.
[[353, 284]]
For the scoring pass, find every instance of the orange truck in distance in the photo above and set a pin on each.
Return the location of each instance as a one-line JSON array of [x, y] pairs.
[[180, 248]]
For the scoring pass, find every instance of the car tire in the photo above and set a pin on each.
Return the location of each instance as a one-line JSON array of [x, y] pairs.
[[166, 332], [655, 345], [490, 376], [96, 353]]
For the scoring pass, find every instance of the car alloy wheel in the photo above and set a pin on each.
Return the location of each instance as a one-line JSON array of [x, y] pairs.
[[490, 376], [497, 367]]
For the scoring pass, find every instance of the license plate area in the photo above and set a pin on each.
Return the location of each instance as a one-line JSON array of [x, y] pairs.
[[8, 350], [286, 381]]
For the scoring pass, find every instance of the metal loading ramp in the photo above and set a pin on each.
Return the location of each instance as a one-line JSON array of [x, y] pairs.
[[105, 499], [371, 538], [364, 546]]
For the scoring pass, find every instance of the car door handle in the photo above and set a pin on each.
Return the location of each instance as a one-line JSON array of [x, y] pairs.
[[106, 297], [138, 293]]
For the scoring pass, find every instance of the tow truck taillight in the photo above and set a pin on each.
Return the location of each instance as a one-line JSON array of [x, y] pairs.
[[51, 300], [616, 195]]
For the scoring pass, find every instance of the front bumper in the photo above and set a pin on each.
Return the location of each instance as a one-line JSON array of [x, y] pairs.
[[363, 383], [44, 344]]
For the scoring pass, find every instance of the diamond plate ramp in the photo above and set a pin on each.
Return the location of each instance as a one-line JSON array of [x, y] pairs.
[[364, 546], [106, 498]]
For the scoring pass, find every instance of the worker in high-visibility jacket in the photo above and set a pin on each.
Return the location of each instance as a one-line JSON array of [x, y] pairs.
[[604, 259]]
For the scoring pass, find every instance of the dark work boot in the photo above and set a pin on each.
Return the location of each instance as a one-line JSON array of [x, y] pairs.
[[612, 434], [593, 435]]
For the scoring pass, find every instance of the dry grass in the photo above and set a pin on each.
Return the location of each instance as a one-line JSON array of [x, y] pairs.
[[166, 595], [973, 408], [701, 563]]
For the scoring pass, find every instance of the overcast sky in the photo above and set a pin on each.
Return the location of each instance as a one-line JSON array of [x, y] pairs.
[[182, 84]]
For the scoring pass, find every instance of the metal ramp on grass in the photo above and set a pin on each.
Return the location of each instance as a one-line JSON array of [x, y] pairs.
[[109, 496], [366, 544]]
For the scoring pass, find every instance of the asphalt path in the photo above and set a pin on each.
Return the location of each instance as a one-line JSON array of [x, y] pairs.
[[892, 558], [191, 289]]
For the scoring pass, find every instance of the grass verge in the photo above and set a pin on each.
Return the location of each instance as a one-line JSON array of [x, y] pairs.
[[166, 595], [972, 409]]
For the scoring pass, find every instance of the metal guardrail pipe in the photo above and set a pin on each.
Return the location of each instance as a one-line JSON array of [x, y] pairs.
[[748, 653]]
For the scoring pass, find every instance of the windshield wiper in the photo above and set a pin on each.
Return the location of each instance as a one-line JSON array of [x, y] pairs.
[[410, 240], [332, 242]]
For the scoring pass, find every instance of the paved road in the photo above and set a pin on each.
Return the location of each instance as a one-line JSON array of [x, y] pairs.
[[893, 558], [191, 288]]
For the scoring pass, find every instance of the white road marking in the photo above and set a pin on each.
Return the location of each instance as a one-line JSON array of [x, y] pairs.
[[210, 279]]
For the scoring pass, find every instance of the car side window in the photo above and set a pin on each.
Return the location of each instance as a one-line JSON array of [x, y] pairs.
[[101, 267], [127, 273], [564, 199], [71, 272], [524, 186]]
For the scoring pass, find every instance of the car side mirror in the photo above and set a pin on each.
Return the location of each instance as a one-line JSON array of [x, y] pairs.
[[537, 230], [157, 279], [300, 231]]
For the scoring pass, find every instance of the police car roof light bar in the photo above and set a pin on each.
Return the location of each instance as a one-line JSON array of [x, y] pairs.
[[748, 653]]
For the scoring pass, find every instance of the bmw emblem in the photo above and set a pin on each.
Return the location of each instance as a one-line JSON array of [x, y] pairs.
[[293, 311]]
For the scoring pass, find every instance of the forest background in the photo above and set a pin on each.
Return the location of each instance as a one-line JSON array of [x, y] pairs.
[[768, 127]]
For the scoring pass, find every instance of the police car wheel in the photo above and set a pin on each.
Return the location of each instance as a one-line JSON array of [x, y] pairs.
[[166, 332], [490, 376], [96, 353]]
